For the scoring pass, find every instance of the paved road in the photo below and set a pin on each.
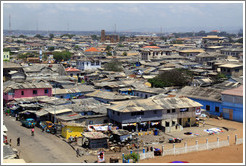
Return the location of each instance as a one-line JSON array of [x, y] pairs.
[[41, 148]]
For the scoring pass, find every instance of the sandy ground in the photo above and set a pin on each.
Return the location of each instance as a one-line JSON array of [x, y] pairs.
[[231, 154]]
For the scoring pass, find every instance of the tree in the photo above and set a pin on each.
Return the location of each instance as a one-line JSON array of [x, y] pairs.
[[122, 38], [51, 36], [51, 48], [22, 36], [64, 55], [108, 48], [6, 50], [68, 35], [113, 65], [120, 45], [240, 40], [175, 77], [38, 36], [124, 53], [94, 37], [76, 47]]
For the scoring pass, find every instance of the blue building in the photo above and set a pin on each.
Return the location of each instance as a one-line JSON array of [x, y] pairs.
[[232, 104], [210, 98]]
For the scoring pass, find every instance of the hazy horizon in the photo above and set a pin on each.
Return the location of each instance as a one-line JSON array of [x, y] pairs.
[[124, 17]]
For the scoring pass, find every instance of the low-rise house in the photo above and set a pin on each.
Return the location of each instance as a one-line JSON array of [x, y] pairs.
[[229, 70], [73, 72], [190, 52], [95, 140], [232, 51], [232, 104], [88, 64], [6, 56], [107, 97], [76, 92], [8, 67], [27, 89]]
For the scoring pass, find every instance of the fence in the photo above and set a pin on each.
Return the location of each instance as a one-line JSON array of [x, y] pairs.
[[193, 148], [238, 140], [199, 147]]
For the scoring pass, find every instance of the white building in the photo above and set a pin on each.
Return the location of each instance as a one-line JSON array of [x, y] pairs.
[[88, 64]]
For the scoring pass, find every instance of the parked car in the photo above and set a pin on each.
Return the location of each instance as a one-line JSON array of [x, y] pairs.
[[29, 122]]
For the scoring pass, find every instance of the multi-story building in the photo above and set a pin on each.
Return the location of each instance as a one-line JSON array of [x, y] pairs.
[[166, 113], [111, 38]]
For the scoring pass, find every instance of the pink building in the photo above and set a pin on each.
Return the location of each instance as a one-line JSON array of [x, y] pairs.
[[26, 89]]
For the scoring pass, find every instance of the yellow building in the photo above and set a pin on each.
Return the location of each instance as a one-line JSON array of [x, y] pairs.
[[72, 129]]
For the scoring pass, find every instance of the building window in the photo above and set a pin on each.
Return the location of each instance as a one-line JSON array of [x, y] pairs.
[[61, 97], [168, 111], [155, 112], [173, 110], [113, 112], [237, 70], [167, 124], [90, 122], [22, 93], [71, 75], [118, 113], [46, 91], [146, 96], [35, 92], [217, 109], [207, 107]]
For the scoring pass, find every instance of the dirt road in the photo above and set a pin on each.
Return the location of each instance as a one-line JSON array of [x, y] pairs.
[[41, 148]]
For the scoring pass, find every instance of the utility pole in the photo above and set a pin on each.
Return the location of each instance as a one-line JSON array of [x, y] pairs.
[[10, 32]]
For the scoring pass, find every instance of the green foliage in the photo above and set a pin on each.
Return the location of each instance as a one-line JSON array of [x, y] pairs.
[[68, 35], [176, 42], [45, 57], [122, 38], [22, 36], [64, 55], [109, 54], [38, 36], [108, 48], [124, 53], [153, 44], [134, 156], [94, 37], [22, 56], [51, 36], [120, 45], [6, 50], [113, 65], [76, 47], [175, 77], [164, 38], [240, 40], [51, 48]]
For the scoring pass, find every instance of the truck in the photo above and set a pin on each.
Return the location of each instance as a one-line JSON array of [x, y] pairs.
[[29, 122]]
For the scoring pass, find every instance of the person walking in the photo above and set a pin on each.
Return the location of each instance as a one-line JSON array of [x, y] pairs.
[[10, 142], [18, 141], [32, 131], [77, 152]]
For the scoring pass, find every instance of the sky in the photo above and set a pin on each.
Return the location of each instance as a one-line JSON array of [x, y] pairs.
[[129, 17]]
